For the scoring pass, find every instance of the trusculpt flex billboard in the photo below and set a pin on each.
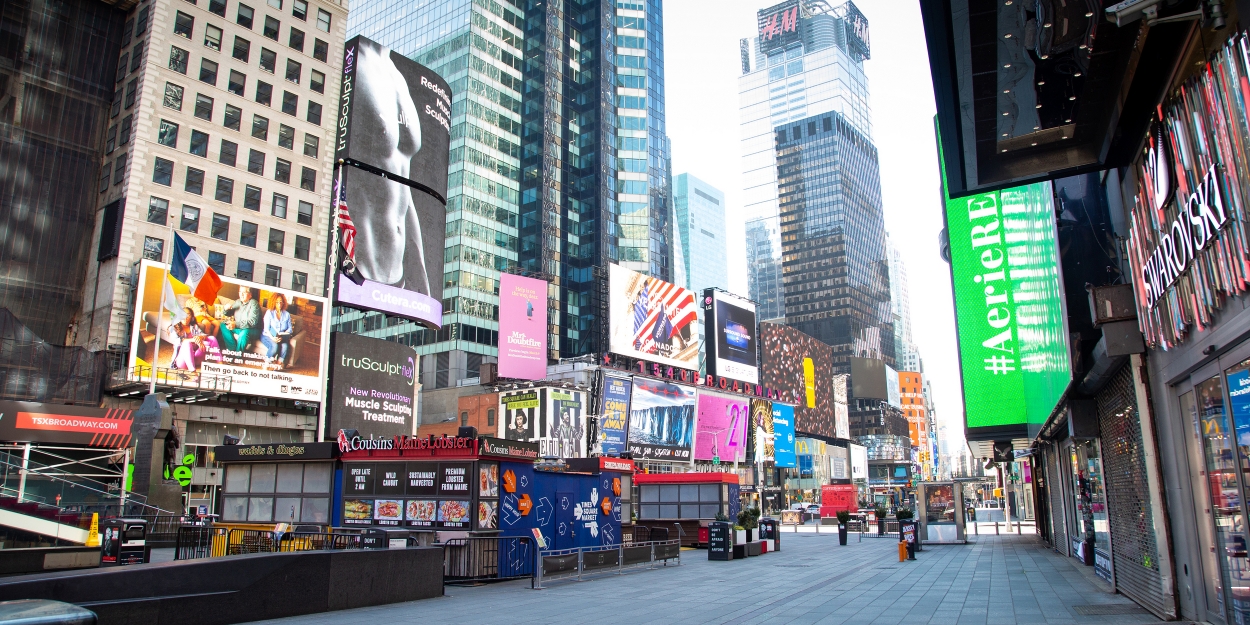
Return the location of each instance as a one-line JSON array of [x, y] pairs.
[[373, 386], [522, 327]]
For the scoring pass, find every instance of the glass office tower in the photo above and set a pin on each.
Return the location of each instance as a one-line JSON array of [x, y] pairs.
[[701, 228]]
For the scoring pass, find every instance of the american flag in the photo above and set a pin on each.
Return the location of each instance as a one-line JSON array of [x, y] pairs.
[[346, 227], [660, 311]]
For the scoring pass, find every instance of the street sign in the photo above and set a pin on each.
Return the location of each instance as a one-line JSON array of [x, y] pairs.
[[715, 459]]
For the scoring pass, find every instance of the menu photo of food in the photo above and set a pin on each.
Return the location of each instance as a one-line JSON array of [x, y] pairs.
[[488, 480], [421, 512], [357, 512], [453, 513], [486, 514], [388, 510]]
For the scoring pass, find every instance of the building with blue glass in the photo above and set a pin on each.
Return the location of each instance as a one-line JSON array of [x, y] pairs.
[[701, 229]]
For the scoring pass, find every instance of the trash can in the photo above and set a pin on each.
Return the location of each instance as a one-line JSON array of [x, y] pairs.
[[770, 529], [720, 541], [384, 538], [123, 541]]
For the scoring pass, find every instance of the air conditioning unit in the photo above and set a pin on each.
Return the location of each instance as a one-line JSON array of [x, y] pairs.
[[1111, 303]]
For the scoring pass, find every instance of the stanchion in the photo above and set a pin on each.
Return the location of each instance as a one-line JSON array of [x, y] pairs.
[[902, 551]]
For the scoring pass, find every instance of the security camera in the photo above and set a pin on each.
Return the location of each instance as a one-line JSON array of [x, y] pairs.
[[1130, 11]]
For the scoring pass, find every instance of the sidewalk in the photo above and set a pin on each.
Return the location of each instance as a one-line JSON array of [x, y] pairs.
[[999, 580]]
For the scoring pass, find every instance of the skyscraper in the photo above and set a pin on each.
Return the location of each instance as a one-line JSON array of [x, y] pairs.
[[906, 354], [701, 224], [807, 61]]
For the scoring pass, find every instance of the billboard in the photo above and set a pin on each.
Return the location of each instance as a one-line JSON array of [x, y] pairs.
[[652, 319], [730, 330], [661, 421], [778, 26], [264, 352], [762, 429], [394, 135], [800, 367], [783, 436], [614, 417], [522, 327], [892, 393], [373, 386], [721, 430], [868, 378], [841, 405], [22, 422], [859, 461], [555, 418]]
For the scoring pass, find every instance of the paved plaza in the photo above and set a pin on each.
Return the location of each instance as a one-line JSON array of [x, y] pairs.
[[998, 580]]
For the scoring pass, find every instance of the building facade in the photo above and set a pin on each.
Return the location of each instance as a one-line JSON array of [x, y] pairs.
[[906, 354], [701, 226]]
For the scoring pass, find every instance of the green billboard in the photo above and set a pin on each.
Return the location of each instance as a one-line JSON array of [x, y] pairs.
[[1009, 308]]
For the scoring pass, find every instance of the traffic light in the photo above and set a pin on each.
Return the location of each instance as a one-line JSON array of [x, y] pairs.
[[998, 493]]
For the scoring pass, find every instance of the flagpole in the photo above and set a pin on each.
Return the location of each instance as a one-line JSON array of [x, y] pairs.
[[160, 308], [331, 282]]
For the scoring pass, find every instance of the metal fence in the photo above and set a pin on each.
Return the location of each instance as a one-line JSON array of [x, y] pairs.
[[566, 563], [488, 558], [201, 541]]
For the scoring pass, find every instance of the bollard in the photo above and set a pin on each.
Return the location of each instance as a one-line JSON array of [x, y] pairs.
[[911, 551], [902, 551]]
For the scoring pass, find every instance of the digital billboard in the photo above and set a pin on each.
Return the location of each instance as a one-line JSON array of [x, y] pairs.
[[721, 429], [762, 429], [783, 436], [652, 319], [800, 367], [394, 135], [108, 428], [522, 327], [373, 386], [661, 421], [555, 418], [614, 416], [841, 405], [729, 323], [265, 339]]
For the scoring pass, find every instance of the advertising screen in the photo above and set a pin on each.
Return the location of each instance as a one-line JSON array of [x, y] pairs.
[[393, 116], [265, 339], [661, 421], [892, 392], [54, 423], [614, 420], [555, 418], [841, 406], [762, 429], [730, 331], [801, 368], [783, 436], [522, 327], [373, 386], [721, 429], [652, 319]]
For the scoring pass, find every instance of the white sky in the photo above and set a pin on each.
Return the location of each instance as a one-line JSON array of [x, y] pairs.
[[701, 82]]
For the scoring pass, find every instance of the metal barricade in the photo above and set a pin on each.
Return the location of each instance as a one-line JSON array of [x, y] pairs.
[[204, 541], [566, 563], [488, 558], [199, 541]]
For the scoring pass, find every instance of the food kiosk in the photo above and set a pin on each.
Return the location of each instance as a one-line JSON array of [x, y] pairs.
[[267, 484], [688, 500], [941, 506]]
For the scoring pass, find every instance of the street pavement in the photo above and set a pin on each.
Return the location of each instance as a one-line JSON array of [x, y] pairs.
[[998, 580]]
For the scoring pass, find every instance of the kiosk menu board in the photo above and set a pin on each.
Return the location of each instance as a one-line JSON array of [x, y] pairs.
[[418, 494]]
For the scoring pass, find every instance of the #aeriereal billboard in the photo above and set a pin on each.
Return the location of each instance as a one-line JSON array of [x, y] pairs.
[[730, 332], [373, 386], [800, 367], [783, 436], [721, 429], [652, 320], [227, 337], [614, 420], [555, 418], [522, 327], [393, 117], [661, 420]]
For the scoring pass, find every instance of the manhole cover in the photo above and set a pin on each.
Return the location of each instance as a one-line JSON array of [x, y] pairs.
[[1108, 609]]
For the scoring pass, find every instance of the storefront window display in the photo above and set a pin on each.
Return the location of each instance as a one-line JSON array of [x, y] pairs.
[[1090, 507]]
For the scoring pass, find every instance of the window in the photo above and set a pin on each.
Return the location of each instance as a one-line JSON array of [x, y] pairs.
[[217, 7], [208, 71], [273, 275], [251, 198], [221, 227], [229, 153], [256, 162], [490, 417], [199, 143], [163, 172], [117, 103], [286, 137], [183, 24], [136, 56], [299, 9], [304, 216], [314, 113], [311, 145], [217, 261], [236, 82], [272, 26], [278, 208], [127, 29], [195, 181], [299, 281], [127, 126], [268, 60], [110, 140], [203, 107], [277, 4], [317, 82], [242, 49], [247, 234], [121, 66], [119, 169], [212, 37], [158, 210], [141, 21], [296, 40], [277, 240], [293, 71], [323, 20], [264, 93], [464, 419], [302, 245], [190, 219], [225, 190], [167, 135], [321, 50], [173, 96], [282, 171], [244, 270], [104, 177], [308, 179], [153, 248], [131, 88], [178, 59], [244, 16], [260, 127], [233, 116], [290, 103]]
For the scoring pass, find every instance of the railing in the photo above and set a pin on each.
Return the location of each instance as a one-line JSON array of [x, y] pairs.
[[564, 563], [489, 558], [176, 378], [203, 541]]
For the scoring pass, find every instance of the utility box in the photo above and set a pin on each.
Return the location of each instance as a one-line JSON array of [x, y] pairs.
[[123, 541], [770, 529], [720, 541]]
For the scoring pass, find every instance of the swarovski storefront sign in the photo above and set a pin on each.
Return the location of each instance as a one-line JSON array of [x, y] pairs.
[[1195, 226]]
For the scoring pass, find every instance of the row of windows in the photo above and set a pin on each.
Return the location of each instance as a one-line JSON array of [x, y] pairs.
[[228, 153], [178, 61], [189, 221], [245, 269]]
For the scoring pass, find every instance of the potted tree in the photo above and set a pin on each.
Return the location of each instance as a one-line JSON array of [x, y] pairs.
[[749, 519], [880, 512], [843, 517]]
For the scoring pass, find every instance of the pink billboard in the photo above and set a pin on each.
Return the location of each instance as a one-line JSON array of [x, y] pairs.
[[721, 430], [522, 327]]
